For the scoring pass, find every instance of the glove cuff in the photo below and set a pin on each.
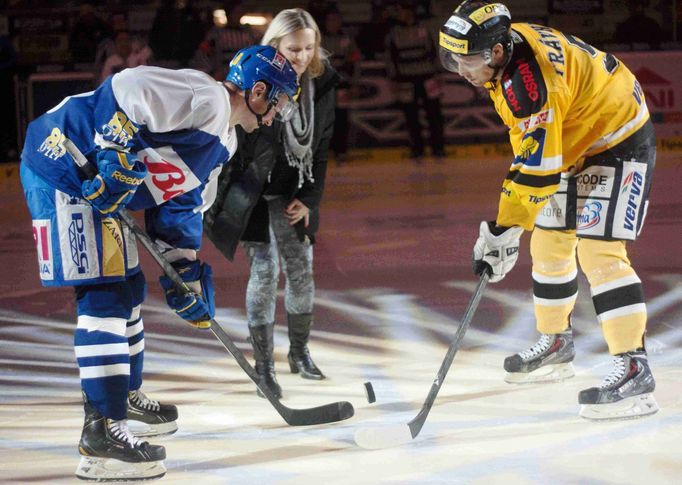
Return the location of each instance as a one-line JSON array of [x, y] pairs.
[[188, 270]]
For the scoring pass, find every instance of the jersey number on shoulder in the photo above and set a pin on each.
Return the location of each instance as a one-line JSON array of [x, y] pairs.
[[610, 63]]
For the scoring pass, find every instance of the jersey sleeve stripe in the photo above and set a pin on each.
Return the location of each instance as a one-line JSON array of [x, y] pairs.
[[534, 180]]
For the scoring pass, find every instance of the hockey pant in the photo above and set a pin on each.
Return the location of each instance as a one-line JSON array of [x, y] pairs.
[[616, 289], [109, 342], [264, 261]]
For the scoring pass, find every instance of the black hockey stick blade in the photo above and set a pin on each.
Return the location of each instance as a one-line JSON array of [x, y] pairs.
[[379, 437], [329, 413]]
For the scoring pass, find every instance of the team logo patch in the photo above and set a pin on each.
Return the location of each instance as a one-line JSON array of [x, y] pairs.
[[531, 148], [42, 230]]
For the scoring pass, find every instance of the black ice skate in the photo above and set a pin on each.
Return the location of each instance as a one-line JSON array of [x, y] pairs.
[[151, 418], [109, 451], [549, 360], [625, 393]]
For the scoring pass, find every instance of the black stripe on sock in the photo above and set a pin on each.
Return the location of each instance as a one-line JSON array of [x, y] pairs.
[[618, 298], [555, 291]]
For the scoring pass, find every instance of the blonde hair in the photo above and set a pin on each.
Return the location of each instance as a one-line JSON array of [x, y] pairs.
[[289, 21]]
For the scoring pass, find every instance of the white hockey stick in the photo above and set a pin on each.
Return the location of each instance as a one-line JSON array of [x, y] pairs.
[[378, 437]]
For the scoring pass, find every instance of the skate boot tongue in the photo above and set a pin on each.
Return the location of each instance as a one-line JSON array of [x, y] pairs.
[[119, 431], [616, 374], [542, 345], [148, 417], [141, 400]]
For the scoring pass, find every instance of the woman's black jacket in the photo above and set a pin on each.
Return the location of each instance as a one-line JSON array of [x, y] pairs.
[[259, 168]]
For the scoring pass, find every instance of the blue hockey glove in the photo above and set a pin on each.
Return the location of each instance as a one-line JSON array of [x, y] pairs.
[[119, 176], [198, 306]]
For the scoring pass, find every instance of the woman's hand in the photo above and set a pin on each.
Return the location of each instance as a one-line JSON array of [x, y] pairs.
[[296, 211]]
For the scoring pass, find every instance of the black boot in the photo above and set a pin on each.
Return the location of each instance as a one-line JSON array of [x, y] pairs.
[[261, 340], [299, 355]]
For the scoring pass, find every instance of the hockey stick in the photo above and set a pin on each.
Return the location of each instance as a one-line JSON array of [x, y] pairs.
[[373, 438], [329, 413]]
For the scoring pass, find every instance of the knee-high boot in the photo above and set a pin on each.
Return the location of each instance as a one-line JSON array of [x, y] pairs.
[[299, 355], [262, 342]]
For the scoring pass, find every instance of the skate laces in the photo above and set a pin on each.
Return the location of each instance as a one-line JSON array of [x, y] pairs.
[[616, 373], [120, 431], [542, 345], [141, 400]]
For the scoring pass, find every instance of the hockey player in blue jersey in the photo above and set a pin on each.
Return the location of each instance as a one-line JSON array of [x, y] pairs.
[[158, 139]]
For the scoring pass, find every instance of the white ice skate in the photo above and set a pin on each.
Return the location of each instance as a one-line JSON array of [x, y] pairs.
[[627, 392], [549, 360]]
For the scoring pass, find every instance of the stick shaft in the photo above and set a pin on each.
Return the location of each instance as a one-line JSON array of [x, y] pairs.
[[419, 420], [329, 413]]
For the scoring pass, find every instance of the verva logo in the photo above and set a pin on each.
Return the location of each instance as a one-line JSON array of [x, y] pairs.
[[168, 175], [634, 183]]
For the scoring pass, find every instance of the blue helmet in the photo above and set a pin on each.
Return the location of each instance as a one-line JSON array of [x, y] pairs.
[[263, 63]]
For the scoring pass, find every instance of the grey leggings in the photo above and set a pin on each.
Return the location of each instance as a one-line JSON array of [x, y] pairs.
[[297, 265]]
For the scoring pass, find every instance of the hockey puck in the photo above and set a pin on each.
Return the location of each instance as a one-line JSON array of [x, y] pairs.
[[369, 390]]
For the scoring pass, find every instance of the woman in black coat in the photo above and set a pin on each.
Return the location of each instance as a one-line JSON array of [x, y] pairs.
[[269, 198]]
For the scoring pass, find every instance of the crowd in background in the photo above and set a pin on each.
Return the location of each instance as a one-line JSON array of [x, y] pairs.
[[187, 34]]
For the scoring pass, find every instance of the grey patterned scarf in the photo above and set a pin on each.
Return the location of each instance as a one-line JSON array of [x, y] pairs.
[[298, 133]]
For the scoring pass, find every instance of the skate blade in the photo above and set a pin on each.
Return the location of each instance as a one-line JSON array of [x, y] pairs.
[[140, 429], [546, 373], [110, 470], [629, 408]]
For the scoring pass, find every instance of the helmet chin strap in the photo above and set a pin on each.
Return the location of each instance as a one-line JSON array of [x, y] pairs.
[[259, 117]]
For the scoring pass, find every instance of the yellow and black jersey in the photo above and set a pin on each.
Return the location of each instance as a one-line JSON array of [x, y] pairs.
[[562, 100]]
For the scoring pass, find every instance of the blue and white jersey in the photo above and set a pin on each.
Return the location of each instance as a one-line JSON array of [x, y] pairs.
[[175, 121]]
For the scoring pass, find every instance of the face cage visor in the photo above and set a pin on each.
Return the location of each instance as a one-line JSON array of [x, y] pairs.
[[284, 106], [470, 63]]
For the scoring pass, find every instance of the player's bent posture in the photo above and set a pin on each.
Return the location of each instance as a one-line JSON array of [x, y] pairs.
[[158, 139], [584, 151]]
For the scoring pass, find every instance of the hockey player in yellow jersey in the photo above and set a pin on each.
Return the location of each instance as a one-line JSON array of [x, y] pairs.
[[584, 154]]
